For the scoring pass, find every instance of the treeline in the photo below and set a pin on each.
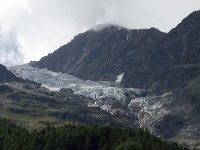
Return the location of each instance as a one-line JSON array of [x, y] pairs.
[[80, 137]]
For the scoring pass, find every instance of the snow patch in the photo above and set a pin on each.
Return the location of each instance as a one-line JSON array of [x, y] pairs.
[[119, 78], [128, 36], [55, 89]]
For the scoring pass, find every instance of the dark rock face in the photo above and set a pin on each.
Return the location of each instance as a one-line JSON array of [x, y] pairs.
[[170, 125], [104, 54], [6, 75], [174, 61], [178, 52], [148, 58]]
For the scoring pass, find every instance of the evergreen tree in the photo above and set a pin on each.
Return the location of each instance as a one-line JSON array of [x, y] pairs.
[[79, 137]]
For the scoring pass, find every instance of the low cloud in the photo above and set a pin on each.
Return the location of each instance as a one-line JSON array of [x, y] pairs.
[[10, 50]]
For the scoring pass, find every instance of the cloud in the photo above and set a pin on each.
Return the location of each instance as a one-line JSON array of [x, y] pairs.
[[41, 26], [10, 50]]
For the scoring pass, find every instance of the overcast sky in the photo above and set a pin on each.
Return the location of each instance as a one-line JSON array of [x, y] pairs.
[[30, 29]]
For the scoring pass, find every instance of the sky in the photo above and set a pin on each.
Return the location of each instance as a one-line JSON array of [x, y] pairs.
[[30, 29]]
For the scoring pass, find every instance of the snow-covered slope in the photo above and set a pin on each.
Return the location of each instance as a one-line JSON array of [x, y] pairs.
[[95, 90]]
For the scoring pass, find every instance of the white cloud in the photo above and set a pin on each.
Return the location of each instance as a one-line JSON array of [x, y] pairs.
[[41, 26], [10, 51]]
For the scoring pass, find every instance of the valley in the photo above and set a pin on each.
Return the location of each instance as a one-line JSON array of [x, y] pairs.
[[128, 107], [114, 76]]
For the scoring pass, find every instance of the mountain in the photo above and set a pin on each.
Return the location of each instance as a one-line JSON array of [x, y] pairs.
[[6, 75], [173, 115], [104, 54], [33, 106], [166, 65], [175, 61], [147, 58]]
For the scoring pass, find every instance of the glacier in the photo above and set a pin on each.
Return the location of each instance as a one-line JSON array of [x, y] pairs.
[[106, 95], [92, 89]]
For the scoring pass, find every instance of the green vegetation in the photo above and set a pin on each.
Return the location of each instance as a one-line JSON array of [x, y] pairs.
[[80, 137], [33, 107]]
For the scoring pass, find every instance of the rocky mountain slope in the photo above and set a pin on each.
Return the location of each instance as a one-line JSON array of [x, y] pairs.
[[6, 75], [102, 55], [148, 58], [33, 106], [175, 60]]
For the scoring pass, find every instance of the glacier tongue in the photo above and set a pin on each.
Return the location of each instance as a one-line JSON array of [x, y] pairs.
[[55, 81]]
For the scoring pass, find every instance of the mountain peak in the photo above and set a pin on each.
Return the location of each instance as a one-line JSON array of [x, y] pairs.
[[194, 14], [192, 21], [101, 27], [114, 49]]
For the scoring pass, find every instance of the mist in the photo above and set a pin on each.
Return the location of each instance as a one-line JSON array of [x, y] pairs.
[[10, 50]]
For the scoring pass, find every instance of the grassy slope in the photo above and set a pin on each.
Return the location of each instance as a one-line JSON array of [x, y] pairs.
[[34, 107]]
